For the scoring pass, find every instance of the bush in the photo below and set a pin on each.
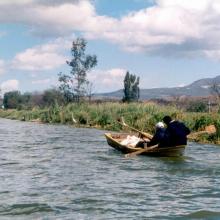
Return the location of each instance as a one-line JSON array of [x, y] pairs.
[[104, 119], [83, 118], [197, 107], [201, 122]]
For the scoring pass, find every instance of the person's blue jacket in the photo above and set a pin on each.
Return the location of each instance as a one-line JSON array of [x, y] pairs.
[[157, 138], [176, 134]]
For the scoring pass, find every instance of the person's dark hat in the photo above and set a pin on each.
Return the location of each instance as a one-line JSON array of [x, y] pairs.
[[167, 119]]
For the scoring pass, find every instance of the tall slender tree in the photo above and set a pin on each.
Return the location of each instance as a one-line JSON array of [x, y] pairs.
[[73, 85], [131, 88]]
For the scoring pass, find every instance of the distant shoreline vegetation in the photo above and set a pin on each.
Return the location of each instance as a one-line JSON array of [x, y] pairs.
[[142, 116]]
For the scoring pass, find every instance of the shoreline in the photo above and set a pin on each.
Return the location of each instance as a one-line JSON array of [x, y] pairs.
[[104, 116], [37, 121]]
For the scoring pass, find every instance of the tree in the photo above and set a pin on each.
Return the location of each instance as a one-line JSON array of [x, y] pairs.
[[12, 99], [131, 88], [89, 90], [36, 99], [26, 97], [51, 97], [73, 85]]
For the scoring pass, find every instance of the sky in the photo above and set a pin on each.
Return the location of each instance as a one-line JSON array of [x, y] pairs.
[[167, 43]]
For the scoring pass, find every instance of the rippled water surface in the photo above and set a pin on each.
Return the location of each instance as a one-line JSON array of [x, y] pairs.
[[61, 172]]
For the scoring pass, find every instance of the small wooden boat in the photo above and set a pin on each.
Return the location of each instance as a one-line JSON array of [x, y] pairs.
[[115, 139]]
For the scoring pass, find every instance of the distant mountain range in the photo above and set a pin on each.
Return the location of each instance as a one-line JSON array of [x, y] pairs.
[[198, 88]]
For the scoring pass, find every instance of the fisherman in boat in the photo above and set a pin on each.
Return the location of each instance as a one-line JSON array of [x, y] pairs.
[[175, 133], [158, 137]]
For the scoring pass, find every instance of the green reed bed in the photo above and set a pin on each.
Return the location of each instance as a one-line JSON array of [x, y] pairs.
[[142, 116]]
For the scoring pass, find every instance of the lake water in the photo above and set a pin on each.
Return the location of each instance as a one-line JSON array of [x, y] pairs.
[[61, 172]]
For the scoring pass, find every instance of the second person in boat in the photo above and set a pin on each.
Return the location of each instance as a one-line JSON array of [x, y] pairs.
[[175, 133]]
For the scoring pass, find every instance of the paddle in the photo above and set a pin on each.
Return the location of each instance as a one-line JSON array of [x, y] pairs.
[[133, 154], [210, 129], [122, 122]]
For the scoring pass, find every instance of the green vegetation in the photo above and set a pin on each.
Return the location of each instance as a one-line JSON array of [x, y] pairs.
[[105, 115], [74, 86], [197, 106], [28, 101], [13, 99], [131, 88]]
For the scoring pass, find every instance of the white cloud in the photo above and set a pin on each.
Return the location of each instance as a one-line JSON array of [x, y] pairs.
[[42, 57], [107, 80], [50, 19], [9, 85], [47, 81], [168, 28], [186, 4], [41, 81], [21, 2]]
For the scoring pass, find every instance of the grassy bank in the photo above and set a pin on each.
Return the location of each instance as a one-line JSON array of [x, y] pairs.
[[139, 115]]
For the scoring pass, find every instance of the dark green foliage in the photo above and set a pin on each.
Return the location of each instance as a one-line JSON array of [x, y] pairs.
[[66, 88], [104, 119], [201, 122], [73, 85], [52, 96], [217, 125], [12, 100], [16, 100], [131, 88], [26, 101], [26, 97], [197, 107], [83, 118]]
